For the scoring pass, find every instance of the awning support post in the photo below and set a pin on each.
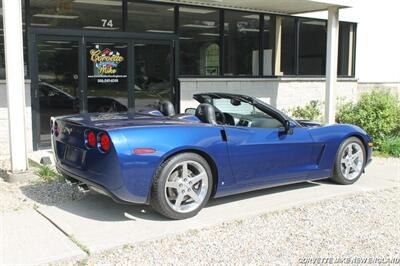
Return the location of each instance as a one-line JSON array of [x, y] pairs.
[[331, 64], [14, 60]]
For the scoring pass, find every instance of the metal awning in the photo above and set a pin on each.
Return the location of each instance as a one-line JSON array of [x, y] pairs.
[[286, 7]]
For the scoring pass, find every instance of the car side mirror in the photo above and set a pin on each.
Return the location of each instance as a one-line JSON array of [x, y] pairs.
[[190, 111], [287, 128]]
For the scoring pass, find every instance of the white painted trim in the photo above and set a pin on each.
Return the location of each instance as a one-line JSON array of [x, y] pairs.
[[14, 58], [331, 64], [350, 54], [278, 79], [278, 44]]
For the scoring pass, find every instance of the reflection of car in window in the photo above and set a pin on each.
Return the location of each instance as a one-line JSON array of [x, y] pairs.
[[152, 84], [55, 102], [56, 97]]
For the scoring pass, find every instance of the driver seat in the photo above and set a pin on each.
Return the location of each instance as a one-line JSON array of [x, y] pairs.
[[166, 108], [206, 113]]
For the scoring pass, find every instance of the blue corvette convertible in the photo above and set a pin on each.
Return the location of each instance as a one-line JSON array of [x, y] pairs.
[[229, 144]]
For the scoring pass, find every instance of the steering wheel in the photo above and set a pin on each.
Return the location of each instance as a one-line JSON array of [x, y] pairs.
[[221, 120]]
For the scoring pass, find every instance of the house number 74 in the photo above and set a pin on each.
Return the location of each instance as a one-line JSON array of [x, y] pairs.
[[107, 23]]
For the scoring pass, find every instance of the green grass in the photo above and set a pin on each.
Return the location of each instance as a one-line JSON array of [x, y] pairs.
[[47, 173], [381, 154], [391, 146], [79, 244]]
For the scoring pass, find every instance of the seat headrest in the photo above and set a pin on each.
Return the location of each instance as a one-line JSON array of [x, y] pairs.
[[166, 108], [206, 113]]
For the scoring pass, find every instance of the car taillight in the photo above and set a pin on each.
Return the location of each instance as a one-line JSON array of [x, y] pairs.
[[91, 141], [56, 129], [105, 142]]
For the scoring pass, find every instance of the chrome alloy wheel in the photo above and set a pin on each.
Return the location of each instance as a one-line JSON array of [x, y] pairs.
[[352, 161], [186, 186]]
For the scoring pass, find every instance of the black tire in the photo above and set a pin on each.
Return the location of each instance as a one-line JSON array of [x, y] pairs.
[[158, 200], [338, 176]]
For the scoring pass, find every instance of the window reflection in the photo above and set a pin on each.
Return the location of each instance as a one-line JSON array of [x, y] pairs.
[[268, 44], [152, 74], [151, 18], [58, 81], [82, 14], [241, 41], [288, 45], [346, 46], [107, 66], [312, 47], [199, 41]]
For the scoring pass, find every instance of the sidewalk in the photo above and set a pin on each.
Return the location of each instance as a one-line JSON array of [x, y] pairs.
[[96, 223], [29, 238]]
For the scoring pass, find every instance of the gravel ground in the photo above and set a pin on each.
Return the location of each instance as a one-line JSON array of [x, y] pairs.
[[362, 226], [34, 193]]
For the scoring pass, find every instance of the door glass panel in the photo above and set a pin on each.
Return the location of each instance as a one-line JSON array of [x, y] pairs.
[[107, 85], [58, 81], [152, 74]]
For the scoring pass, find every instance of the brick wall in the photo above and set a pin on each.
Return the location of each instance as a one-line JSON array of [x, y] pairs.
[[284, 93], [394, 87]]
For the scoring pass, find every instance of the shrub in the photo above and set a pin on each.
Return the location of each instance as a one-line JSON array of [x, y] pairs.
[[378, 113], [310, 111], [47, 173], [391, 146]]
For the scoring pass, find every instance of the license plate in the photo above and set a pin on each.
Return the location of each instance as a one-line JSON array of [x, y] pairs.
[[74, 155]]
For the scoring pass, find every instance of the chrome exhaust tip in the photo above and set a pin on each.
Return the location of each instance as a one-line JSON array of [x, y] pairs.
[[83, 188], [71, 182]]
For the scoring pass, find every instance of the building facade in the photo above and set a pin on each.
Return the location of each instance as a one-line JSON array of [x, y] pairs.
[[122, 55]]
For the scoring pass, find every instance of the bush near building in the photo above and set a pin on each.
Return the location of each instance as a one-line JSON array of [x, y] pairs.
[[311, 111], [378, 113], [391, 146]]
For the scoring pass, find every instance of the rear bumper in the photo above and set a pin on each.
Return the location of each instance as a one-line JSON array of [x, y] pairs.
[[119, 195]]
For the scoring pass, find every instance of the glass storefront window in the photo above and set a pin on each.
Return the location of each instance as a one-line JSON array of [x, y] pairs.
[[58, 81], [199, 41], [77, 14], [312, 47], [268, 44], [151, 18], [241, 43], [153, 71], [288, 46], [107, 83], [346, 46]]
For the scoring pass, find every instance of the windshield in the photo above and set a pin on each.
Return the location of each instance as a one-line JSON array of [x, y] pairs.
[[237, 107]]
